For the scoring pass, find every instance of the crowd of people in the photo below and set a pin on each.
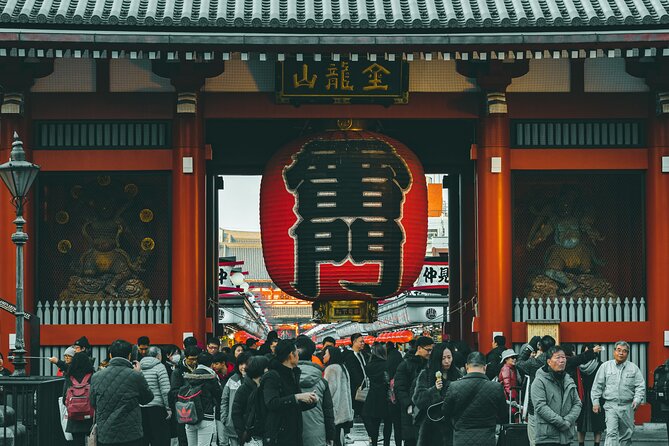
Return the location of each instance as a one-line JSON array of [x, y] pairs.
[[288, 393]]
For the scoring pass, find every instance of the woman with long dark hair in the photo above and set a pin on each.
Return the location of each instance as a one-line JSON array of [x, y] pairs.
[[375, 409], [79, 368], [428, 397], [340, 388]]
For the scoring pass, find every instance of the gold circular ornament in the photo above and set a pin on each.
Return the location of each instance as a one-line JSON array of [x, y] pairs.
[[104, 180], [130, 189], [148, 244], [76, 191], [64, 246], [344, 124], [62, 217], [146, 215]]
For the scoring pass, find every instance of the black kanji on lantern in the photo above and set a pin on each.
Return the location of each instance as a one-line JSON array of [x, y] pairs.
[[349, 196]]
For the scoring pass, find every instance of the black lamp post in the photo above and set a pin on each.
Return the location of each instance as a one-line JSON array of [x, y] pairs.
[[18, 175]]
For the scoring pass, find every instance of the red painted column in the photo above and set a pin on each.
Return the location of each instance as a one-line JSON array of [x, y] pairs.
[[494, 229], [188, 225], [657, 241]]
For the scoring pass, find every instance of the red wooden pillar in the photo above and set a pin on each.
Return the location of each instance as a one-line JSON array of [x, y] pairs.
[[16, 77], [188, 221], [493, 176], [493, 182], [657, 235]]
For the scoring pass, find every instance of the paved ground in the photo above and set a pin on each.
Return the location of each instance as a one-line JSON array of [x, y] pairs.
[[646, 435]]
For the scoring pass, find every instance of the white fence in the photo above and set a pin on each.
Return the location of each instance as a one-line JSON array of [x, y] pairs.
[[104, 312], [638, 353], [571, 310], [47, 351]]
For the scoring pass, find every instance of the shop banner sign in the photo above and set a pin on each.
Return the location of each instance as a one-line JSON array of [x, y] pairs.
[[342, 82], [433, 276], [225, 285]]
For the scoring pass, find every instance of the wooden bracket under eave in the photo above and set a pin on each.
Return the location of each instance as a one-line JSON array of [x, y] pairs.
[[208, 152]]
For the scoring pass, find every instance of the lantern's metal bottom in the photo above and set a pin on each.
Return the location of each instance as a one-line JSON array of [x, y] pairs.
[[326, 312]]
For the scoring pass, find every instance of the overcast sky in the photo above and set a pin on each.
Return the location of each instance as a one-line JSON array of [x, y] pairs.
[[239, 203]]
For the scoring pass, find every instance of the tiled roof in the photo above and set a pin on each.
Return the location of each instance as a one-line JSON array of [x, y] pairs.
[[312, 15]]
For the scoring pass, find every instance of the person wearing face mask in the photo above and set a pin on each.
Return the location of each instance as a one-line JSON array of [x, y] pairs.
[[226, 429], [428, 397], [556, 401]]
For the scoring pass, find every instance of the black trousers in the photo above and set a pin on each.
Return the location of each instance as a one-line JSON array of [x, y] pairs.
[[138, 442], [155, 426]]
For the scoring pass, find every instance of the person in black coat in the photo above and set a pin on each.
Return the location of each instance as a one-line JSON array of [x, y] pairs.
[[494, 357], [355, 361], [245, 428], [474, 405], [79, 368], [431, 385], [394, 361], [283, 398], [116, 393], [405, 377], [375, 408]]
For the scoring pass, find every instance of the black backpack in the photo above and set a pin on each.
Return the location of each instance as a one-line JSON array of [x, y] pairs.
[[661, 386]]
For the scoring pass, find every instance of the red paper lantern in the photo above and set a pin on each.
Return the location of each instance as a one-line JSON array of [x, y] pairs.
[[343, 216]]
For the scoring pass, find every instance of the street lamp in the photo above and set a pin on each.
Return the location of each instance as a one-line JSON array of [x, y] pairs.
[[18, 175]]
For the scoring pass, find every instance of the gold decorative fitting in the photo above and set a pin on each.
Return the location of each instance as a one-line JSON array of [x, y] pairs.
[[344, 124], [64, 246], [146, 215], [62, 217], [131, 189], [148, 244], [497, 103], [104, 180]]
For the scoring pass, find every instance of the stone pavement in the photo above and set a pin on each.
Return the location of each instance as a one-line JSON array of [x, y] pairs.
[[649, 434]]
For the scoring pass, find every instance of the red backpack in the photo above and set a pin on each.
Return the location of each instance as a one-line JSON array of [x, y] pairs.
[[78, 399]]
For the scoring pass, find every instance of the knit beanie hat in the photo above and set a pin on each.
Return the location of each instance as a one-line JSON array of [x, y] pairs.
[[69, 351]]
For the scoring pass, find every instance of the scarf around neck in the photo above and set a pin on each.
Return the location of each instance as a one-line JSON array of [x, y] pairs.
[[589, 367]]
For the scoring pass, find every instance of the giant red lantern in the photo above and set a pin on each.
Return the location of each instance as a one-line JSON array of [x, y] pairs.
[[343, 216]]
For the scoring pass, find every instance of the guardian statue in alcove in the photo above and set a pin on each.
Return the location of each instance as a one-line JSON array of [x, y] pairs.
[[570, 263]]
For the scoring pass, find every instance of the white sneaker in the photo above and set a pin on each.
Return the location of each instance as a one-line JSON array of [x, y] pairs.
[[348, 439]]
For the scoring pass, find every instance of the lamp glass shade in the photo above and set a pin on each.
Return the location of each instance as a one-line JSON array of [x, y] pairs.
[[18, 176], [237, 278]]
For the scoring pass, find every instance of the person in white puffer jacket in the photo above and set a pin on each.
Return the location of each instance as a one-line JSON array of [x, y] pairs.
[[155, 415]]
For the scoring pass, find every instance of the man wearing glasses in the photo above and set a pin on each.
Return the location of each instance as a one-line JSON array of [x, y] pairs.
[[621, 386], [405, 377]]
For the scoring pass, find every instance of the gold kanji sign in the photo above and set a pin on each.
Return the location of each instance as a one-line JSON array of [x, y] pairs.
[[342, 82]]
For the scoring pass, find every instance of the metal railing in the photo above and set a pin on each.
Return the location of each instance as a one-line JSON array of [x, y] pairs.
[[29, 411]]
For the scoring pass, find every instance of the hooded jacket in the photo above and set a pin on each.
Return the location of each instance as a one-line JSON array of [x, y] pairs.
[[116, 393], [206, 378], [156, 376], [320, 419], [556, 407]]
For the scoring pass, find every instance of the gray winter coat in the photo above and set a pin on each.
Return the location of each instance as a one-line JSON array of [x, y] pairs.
[[318, 426], [156, 376], [116, 393], [556, 407], [227, 399]]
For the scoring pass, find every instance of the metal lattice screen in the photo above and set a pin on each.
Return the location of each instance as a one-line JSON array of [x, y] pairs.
[[104, 238], [578, 235]]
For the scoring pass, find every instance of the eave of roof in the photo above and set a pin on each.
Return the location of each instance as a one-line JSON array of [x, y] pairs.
[[270, 41]]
